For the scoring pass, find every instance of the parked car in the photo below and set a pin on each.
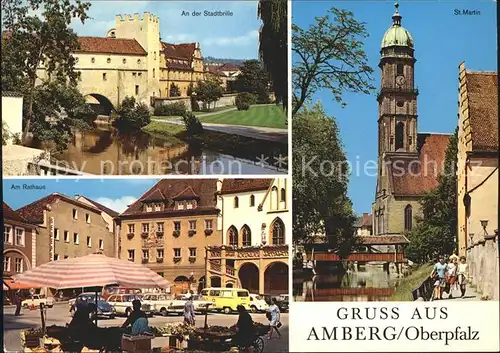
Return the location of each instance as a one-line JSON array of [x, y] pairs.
[[226, 299], [282, 302], [200, 305], [122, 303], [104, 309], [163, 304], [258, 303], [36, 300]]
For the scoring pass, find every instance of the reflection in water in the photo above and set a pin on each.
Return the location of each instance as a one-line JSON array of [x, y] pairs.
[[370, 283], [105, 150]]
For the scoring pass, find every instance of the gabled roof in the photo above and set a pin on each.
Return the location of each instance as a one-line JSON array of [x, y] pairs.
[[33, 212], [482, 94], [179, 51], [410, 176], [103, 208], [156, 195], [106, 45], [10, 215], [186, 194], [171, 188], [233, 186]]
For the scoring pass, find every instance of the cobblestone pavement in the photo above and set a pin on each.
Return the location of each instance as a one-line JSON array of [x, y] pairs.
[[59, 315]]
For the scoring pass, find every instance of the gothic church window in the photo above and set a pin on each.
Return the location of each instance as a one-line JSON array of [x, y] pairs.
[[278, 232], [400, 129], [233, 236], [408, 218], [246, 236]]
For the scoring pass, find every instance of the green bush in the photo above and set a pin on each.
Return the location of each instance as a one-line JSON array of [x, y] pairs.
[[195, 106], [193, 125], [244, 100], [131, 114], [174, 109]]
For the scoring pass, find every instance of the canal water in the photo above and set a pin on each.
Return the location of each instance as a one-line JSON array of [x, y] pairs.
[[105, 150], [368, 283]]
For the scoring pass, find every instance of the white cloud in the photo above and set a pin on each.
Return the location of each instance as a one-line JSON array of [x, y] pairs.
[[118, 205], [176, 38], [246, 39]]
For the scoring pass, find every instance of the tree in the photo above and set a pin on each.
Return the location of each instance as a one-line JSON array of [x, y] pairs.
[[330, 55], [435, 232], [132, 114], [31, 41], [174, 90], [320, 178], [210, 90], [273, 48], [254, 79]]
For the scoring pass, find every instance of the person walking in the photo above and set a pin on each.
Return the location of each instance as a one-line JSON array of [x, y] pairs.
[[189, 317], [462, 274], [18, 303], [451, 275], [439, 273], [274, 318]]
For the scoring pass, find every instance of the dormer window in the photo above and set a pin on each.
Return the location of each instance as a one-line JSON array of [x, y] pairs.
[[157, 207], [180, 205]]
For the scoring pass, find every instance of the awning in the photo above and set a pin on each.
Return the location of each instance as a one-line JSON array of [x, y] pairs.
[[18, 285]]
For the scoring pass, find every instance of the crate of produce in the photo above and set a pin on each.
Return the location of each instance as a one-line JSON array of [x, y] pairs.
[[136, 344], [31, 338]]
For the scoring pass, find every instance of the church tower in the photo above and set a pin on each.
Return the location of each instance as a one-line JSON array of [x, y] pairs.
[[397, 122]]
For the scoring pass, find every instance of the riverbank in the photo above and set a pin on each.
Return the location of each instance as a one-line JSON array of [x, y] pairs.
[[403, 292], [269, 152]]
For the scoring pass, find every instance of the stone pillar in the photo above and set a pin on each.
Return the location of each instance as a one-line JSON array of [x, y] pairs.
[[223, 267], [262, 283]]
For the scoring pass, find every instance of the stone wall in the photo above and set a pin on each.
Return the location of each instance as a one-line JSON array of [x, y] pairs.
[[19, 160], [226, 100], [482, 258]]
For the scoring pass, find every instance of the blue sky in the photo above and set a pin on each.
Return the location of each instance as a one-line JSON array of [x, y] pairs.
[[442, 41], [234, 37], [116, 194]]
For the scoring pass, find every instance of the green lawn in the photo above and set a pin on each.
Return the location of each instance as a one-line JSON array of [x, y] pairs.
[[258, 115], [407, 284], [214, 110]]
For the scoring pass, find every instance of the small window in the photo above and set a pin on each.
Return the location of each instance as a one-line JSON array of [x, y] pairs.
[[124, 61], [18, 263], [399, 69], [283, 195], [7, 234], [131, 254], [192, 252], [104, 77], [136, 89], [192, 225], [208, 224], [75, 213], [134, 74], [56, 234], [92, 60], [145, 254], [177, 252], [101, 244], [177, 225], [154, 55], [139, 74], [89, 242], [66, 236], [76, 239], [159, 253], [108, 61], [56, 257], [87, 218], [20, 236], [131, 228], [145, 227], [138, 61], [160, 226], [154, 73], [236, 202], [252, 200]]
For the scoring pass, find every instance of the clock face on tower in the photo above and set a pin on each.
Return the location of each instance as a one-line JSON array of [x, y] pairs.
[[400, 80]]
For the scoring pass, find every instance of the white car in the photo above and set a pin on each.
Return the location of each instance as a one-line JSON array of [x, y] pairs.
[[258, 304], [200, 305], [36, 300], [122, 304], [163, 304]]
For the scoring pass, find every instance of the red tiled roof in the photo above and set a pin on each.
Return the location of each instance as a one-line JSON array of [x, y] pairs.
[[11, 215], [156, 195], [229, 67], [232, 186], [383, 239], [103, 208], [416, 177], [179, 51], [482, 93], [171, 188], [33, 212], [186, 194], [110, 46]]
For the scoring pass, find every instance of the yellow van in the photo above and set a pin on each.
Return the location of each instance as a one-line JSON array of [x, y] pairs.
[[226, 299]]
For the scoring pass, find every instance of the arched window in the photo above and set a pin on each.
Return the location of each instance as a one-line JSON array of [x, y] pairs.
[[278, 232], [252, 200], [236, 202], [408, 218], [400, 132], [246, 236], [274, 198], [283, 195], [232, 234]]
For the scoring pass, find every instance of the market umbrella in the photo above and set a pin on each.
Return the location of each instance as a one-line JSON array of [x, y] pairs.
[[5, 287], [94, 270]]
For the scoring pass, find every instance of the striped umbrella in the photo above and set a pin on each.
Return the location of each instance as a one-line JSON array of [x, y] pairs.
[[94, 270]]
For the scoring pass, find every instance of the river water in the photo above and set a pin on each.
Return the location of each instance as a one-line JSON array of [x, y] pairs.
[[106, 151], [368, 283]]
